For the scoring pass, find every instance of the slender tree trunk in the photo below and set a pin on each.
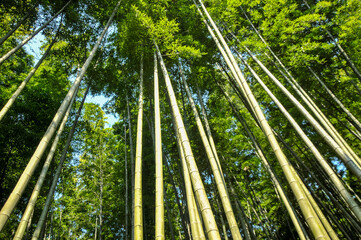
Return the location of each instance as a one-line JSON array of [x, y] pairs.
[[217, 173], [131, 165], [138, 208], [34, 196], [326, 167], [195, 222], [159, 191], [324, 121], [341, 152], [50, 195], [30, 168], [12, 51], [210, 223], [126, 182], [10, 102], [296, 188], [9, 33]]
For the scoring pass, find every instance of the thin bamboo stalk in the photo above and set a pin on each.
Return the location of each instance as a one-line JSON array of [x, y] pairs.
[[30, 168], [159, 206], [227, 207], [296, 188], [34, 196], [138, 206], [325, 166], [208, 217], [49, 198]]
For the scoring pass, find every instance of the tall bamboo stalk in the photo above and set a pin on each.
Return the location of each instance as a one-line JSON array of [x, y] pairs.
[[49, 198], [214, 165], [341, 152], [310, 103], [267, 166], [306, 208], [30, 168], [194, 218], [325, 166], [159, 191], [12, 51], [138, 208], [34, 196], [126, 182], [208, 217]]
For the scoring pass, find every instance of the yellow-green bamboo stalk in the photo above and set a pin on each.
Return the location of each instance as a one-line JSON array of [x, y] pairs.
[[30, 168], [341, 152], [208, 130], [49, 198], [34, 196], [323, 163], [296, 188], [274, 179], [138, 207], [159, 196], [202, 199], [226, 203], [332, 234], [189, 194]]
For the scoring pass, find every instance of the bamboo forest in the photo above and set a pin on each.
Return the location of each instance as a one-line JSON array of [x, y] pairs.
[[220, 119]]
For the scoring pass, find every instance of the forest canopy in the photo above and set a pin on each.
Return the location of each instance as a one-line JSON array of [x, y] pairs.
[[236, 119]]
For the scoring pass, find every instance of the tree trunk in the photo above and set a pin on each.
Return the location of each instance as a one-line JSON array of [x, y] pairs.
[[210, 223], [216, 168], [138, 208], [50, 195], [34, 196], [30, 168], [296, 188], [159, 191]]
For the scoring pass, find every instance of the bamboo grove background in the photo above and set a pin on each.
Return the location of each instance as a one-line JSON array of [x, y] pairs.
[[236, 119]]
